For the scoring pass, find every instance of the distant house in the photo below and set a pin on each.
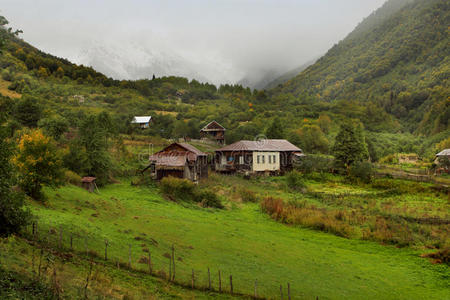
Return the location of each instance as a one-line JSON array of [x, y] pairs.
[[215, 131], [443, 160], [273, 156], [404, 158], [179, 160], [143, 121]]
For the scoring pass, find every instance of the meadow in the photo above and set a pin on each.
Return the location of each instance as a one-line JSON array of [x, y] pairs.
[[243, 241]]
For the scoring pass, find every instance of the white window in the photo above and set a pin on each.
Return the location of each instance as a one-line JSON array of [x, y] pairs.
[[241, 160], [257, 159], [263, 159], [270, 159], [274, 160]]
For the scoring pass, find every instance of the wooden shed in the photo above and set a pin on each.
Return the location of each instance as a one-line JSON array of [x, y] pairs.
[[214, 131], [88, 183], [180, 160]]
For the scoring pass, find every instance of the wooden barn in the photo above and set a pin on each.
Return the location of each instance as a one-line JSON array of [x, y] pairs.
[[179, 160], [264, 156], [214, 131]]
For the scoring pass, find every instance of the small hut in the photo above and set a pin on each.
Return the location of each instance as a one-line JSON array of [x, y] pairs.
[[214, 131], [88, 183], [142, 121]]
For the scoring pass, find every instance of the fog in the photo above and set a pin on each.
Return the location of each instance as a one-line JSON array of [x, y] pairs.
[[220, 41]]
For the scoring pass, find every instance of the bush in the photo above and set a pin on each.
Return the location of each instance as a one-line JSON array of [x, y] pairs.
[[208, 199], [361, 171], [177, 189], [72, 178], [295, 181], [247, 195]]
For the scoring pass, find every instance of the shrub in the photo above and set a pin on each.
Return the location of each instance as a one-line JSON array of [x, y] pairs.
[[177, 189], [295, 181], [247, 195], [208, 199], [72, 178], [361, 171]]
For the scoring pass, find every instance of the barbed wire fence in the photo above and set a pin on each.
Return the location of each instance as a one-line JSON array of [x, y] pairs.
[[169, 266]]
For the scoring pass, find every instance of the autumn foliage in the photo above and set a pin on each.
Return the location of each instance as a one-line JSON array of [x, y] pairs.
[[38, 162]]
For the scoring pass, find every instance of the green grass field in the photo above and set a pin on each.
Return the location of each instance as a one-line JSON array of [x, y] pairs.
[[240, 241]]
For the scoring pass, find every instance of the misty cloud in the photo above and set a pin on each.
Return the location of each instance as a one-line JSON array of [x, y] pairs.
[[217, 41]]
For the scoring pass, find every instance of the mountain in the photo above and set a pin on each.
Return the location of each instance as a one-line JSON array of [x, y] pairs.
[[288, 75], [397, 60], [114, 60]]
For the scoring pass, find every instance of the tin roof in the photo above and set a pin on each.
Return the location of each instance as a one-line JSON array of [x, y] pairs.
[[88, 179], [445, 152], [141, 120], [261, 145]]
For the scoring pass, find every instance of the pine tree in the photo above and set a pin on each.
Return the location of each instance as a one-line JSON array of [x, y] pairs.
[[275, 130], [350, 146]]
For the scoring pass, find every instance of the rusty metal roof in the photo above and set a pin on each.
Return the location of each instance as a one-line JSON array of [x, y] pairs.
[[262, 145], [88, 179]]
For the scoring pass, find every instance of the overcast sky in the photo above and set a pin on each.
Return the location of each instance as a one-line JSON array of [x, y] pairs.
[[225, 39]]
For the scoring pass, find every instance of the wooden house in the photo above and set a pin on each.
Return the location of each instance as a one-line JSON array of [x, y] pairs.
[[272, 156], [443, 160], [214, 131], [143, 121], [179, 160], [88, 183]]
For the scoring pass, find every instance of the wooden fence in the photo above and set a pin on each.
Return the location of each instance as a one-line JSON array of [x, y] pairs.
[[173, 270]]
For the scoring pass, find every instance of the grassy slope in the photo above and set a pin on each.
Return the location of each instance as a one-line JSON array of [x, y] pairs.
[[107, 282], [243, 242]]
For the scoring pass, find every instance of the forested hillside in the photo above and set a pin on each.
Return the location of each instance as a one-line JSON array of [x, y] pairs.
[[390, 74], [395, 62]]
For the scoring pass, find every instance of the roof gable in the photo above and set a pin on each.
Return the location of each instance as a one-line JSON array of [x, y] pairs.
[[213, 126], [141, 119], [445, 152]]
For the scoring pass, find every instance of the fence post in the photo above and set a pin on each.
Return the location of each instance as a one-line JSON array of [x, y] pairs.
[[220, 283], [34, 229], [106, 250], [209, 279], [150, 262], [231, 284], [170, 268], [289, 291], [60, 238], [129, 256], [193, 279], [256, 288], [281, 292], [173, 262]]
